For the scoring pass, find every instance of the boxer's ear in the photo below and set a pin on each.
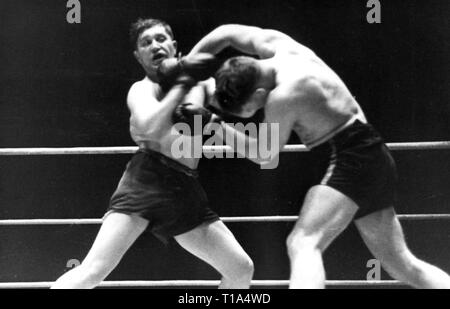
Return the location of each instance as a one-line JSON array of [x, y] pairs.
[[175, 46], [137, 57]]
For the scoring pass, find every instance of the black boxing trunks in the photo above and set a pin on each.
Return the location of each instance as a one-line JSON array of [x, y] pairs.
[[361, 167], [164, 192]]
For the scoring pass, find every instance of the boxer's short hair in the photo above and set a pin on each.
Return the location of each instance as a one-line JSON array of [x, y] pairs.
[[235, 82], [141, 25]]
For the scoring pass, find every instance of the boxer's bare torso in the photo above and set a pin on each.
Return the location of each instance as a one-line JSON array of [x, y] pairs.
[[159, 135]]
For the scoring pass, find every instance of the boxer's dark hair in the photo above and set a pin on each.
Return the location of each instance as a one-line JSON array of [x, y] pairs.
[[141, 25], [235, 83]]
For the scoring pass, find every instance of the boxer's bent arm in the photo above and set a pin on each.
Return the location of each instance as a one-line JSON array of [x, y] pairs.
[[146, 109], [248, 39], [199, 95]]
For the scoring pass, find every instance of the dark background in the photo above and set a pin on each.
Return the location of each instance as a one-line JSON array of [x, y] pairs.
[[64, 85]]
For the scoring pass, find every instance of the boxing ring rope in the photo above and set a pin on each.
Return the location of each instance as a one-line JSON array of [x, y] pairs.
[[206, 149], [445, 145], [259, 219], [204, 283]]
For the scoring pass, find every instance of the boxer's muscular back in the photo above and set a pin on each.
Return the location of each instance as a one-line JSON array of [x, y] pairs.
[[318, 98]]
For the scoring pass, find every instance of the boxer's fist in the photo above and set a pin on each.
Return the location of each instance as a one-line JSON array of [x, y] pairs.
[[200, 66], [187, 70]]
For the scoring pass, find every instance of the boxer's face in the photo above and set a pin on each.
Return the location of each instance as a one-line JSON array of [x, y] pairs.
[[153, 46]]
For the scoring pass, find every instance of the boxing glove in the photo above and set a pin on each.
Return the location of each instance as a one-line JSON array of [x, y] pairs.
[[187, 70]]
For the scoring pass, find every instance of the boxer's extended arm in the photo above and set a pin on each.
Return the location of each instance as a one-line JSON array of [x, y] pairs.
[[276, 135], [233, 137], [263, 155], [247, 39]]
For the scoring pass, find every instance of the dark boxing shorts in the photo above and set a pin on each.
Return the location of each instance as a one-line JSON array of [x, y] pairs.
[[360, 166], [164, 192]]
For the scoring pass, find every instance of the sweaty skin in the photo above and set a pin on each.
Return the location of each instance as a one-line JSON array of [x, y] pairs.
[[305, 96]]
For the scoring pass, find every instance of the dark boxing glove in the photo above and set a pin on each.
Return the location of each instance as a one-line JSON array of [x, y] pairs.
[[186, 112], [187, 70], [170, 74], [200, 66]]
